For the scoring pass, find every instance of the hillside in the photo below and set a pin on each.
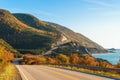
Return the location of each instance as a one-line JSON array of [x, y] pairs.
[[8, 47], [83, 41], [28, 34], [65, 32], [34, 22], [22, 36]]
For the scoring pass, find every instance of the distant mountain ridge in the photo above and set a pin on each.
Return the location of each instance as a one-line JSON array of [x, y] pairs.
[[83, 41], [26, 32]]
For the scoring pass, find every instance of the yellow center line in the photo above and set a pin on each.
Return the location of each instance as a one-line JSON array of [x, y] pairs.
[[61, 74]]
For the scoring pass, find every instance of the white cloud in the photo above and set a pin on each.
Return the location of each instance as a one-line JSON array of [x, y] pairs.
[[98, 2]]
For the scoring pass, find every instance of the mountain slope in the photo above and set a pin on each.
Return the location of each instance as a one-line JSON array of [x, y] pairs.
[[79, 38], [34, 22], [63, 33], [29, 34], [22, 36], [8, 47]]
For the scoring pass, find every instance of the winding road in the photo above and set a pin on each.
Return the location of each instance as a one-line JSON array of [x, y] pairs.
[[40, 72]]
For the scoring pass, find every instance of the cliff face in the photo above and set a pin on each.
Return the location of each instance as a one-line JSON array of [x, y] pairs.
[[29, 34]]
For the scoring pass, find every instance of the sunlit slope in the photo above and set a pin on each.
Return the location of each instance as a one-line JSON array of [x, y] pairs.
[[60, 31], [83, 41], [8, 47], [22, 36]]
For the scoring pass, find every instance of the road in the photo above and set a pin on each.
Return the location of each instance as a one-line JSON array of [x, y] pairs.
[[49, 51], [39, 72]]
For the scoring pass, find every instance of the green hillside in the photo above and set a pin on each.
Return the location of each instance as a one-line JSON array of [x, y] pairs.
[[22, 36], [61, 31], [28, 34], [8, 47], [34, 22]]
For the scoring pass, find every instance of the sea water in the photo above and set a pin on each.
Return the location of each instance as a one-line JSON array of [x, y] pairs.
[[111, 57]]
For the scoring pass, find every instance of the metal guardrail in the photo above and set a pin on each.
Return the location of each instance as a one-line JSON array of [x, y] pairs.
[[95, 68]]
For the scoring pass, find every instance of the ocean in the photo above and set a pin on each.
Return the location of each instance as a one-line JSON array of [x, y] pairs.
[[111, 57]]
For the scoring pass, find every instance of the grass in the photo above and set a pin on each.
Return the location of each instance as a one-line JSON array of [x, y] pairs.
[[9, 73]]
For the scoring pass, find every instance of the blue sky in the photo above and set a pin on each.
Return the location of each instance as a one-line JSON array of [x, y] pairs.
[[99, 20]]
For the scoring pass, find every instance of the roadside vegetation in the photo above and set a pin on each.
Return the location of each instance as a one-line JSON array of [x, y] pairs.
[[7, 70], [65, 61], [118, 65]]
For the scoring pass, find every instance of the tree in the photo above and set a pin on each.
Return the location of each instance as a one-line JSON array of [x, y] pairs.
[[63, 58], [43, 60], [5, 56], [89, 60], [52, 60], [74, 59]]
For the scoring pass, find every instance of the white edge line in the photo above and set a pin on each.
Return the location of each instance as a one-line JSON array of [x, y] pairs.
[[22, 72]]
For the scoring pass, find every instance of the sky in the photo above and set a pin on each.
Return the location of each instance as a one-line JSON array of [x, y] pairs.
[[99, 20]]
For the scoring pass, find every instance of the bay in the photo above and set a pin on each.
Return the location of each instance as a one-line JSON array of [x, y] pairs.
[[111, 57]]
